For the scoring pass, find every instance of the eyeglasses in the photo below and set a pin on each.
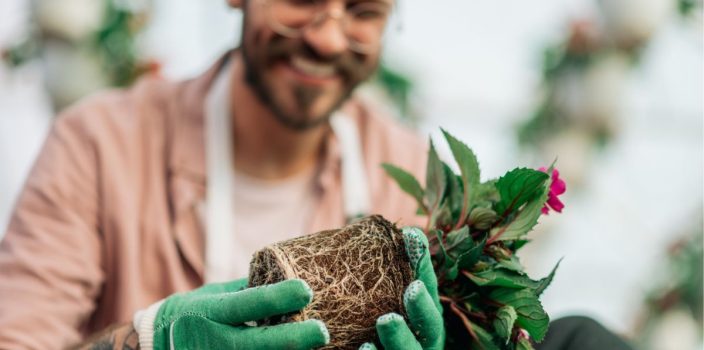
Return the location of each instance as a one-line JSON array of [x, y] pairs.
[[363, 22]]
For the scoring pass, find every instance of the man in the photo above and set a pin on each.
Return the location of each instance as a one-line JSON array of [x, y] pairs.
[[132, 197]]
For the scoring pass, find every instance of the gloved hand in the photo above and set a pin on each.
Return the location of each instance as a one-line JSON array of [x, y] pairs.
[[213, 317], [427, 330]]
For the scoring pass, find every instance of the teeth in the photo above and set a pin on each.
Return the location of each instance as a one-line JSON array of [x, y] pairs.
[[312, 68]]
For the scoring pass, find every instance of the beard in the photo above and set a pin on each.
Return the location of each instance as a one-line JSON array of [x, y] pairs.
[[351, 67]]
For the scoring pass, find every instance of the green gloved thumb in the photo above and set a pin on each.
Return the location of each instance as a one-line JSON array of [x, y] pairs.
[[419, 256]]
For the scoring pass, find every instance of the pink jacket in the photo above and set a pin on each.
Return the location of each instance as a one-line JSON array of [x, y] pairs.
[[108, 223]]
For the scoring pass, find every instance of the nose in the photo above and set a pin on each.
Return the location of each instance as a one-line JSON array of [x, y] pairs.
[[328, 37]]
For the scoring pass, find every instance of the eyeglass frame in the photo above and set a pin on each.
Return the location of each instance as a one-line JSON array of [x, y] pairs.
[[319, 18]]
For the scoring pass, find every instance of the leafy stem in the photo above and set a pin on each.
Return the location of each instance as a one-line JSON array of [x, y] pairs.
[[495, 237], [463, 213]]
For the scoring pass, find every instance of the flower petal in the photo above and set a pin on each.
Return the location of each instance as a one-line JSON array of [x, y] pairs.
[[558, 186], [545, 210], [555, 204]]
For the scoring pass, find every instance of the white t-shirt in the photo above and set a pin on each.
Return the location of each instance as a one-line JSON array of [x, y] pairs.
[[267, 212]]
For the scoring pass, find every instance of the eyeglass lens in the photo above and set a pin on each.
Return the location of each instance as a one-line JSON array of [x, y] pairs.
[[363, 21]]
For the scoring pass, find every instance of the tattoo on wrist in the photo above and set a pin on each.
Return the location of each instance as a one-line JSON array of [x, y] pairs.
[[119, 337]]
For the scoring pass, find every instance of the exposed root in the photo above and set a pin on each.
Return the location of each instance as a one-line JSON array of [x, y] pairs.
[[358, 273]]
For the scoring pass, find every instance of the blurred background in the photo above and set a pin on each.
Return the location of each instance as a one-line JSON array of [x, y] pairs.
[[613, 89]]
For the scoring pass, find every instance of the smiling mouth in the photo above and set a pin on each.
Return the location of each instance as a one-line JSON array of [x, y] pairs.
[[313, 71]]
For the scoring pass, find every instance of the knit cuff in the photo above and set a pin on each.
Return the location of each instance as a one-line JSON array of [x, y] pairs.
[[143, 322]]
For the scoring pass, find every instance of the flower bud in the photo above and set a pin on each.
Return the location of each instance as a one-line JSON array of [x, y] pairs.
[[480, 266], [482, 218], [498, 252]]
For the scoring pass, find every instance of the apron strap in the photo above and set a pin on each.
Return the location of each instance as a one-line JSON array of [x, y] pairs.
[[219, 205], [354, 176]]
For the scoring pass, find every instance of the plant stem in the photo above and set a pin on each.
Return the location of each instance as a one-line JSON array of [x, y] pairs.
[[427, 225], [493, 238], [463, 214], [467, 323]]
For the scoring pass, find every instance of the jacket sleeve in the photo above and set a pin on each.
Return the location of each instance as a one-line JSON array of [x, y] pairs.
[[50, 257]]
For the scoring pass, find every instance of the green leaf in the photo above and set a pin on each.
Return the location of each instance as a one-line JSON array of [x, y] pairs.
[[503, 324], [531, 315], [435, 180], [469, 167], [502, 278], [465, 158], [467, 260], [545, 282], [449, 265], [518, 225], [443, 251], [459, 240], [452, 272], [441, 216], [454, 194], [484, 339], [517, 187], [519, 243], [551, 168], [487, 193], [512, 263], [408, 184]]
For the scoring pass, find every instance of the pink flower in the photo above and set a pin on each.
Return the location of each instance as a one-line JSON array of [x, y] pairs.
[[557, 187], [523, 334]]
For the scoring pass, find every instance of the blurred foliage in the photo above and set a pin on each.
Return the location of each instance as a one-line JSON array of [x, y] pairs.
[[112, 44], [115, 44], [397, 86], [688, 7], [569, 62], [681, 287], [19, 54], [581, 50]]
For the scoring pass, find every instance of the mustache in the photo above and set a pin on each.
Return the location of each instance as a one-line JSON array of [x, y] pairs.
[[349, 64]]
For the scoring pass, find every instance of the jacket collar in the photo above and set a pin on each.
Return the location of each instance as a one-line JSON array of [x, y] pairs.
[[188, 148]]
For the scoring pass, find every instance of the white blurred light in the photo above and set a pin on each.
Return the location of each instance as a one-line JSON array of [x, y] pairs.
[[635, 20], [70, 19]]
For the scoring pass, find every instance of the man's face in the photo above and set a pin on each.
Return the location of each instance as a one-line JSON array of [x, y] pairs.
[[302, 80]]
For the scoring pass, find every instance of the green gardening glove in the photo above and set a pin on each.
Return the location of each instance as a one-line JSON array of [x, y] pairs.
[[214, 317], [427, 330]]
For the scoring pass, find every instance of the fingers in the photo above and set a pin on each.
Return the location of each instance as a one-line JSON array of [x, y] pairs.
[[254, 303], [419, 255], [367, 346], [424, 317], [196, 332], [299, 335], [394, 334]]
